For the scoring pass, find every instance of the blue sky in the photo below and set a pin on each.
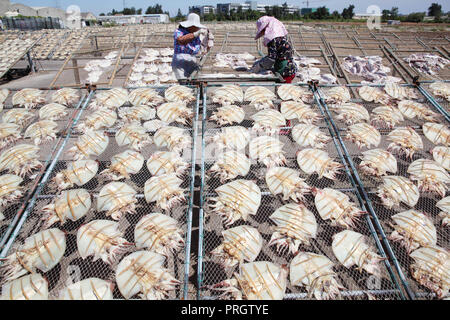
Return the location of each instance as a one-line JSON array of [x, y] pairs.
[[405, 6]]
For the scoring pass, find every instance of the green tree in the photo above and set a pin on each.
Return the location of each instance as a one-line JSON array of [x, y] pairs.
[[179, 16], [348, 13], [435, 10]]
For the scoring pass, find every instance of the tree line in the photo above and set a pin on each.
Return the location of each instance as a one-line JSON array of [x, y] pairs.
[[156, 9]]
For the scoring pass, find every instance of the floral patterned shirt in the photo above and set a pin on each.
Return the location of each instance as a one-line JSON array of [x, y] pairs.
[[192, 47], [280, 49]]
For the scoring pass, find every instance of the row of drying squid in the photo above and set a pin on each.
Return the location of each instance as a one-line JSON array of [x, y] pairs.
[[156, 235], [295, 224]]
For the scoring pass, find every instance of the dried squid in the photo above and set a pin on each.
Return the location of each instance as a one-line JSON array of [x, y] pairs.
[[411, 109], [444, 205], [336, 206], [315, 273], [231, 164], [143, 273], [351, 248], [292, 92], [268, 122], [91, 143], [287, 182], [431, 177], [179, 94], [9, 133], [10, 189], [66, 96], [310, 135], [165, 190], [437, 133], [386, 117], [124, 164], [175, 112], [378, 162], [72, 205], [41, 251], [227, 95], [260, 280], [163, 162], [21, 159], [441, 89], [173, 138], [397, 189], [395, 91], [364, 135], [21, 117], [134, 136], [110, 99], [298, 110], [77, 173], [100, 119], [30, 287], [234, 138], [374, 94], [137, 114], [318, 161], [404, 141], [442, 156], [240, 244], [145, 97], [42, 131], [117, 199], [228, 115], [52, 111], [103, 240], [159, 233], [337, 95], [295, 225], [28, 98], [88, 289], [268, 151], [351, 113], [236, 200], [413, 229], [260, 97]]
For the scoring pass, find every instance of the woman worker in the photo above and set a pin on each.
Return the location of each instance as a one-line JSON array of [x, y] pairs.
[[280, 58], [187, 45]]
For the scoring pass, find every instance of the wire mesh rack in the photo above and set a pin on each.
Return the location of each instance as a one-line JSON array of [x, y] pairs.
[[72, 267], [358, 285], [12, 211], [370, 184]]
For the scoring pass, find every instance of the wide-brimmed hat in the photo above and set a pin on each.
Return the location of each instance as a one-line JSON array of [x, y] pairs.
[[193, 20]]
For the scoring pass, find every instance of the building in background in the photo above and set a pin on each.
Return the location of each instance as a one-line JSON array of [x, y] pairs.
[[226, 8], [136, 19], [202, 10], [365, 16]]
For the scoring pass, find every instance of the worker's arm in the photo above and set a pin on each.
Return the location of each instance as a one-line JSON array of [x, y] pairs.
[[184, 40]]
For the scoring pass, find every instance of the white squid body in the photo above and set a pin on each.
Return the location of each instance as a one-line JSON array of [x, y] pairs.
[[10, 189], [9, 133], [240, 244], [386, 117], [28, 98], [124, 164], [165, 190], [143, 272], [175, 112], [110, 99], [268, 121], [230, 165], [260, 280], [159, 233], [77, 173], [92, 143], [298, 110], [351, 248], [268, 151], [228, 115], [295, 225], [364, 135], [315, 273], [137, 114], [72, 205], [310, 135], [228, 95], [378, 162], [133, 136], [41, 251], [52, 111], [100, 119], [413, 229], [66, 96], [173, 138], [411, 109], [117, 199], [441, 89], [351, 113], [337, 95], [397, 189], [442, 156], [373, 94], [154, 125], [336, 206], [101, 239], [318, 161], [234, 138], [145, 97], [20, 117], [437, 133], [4, 93], [179, 93], [30, 287], [287, 182], [444, 205], [88, 289], [431, 177], [404, 141], [292, 92], [164, 162], [42, 131], [431, 269], [236, 200], [399, 92], [20, 160], [260, 97]]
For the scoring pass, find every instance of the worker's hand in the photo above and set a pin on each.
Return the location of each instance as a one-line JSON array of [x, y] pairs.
[[200, 32]]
